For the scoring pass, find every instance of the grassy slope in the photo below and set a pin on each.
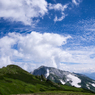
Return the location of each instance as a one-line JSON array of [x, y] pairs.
[[14, 80]]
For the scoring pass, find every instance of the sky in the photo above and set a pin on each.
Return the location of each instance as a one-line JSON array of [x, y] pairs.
[[53, 33]]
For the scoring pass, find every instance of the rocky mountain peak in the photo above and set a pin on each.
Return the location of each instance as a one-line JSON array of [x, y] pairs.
[[65, 77]]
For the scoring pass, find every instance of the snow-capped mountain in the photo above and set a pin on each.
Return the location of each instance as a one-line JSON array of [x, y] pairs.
[[65, 77]]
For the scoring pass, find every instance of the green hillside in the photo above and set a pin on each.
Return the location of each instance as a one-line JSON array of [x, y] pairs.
[[15, 80]]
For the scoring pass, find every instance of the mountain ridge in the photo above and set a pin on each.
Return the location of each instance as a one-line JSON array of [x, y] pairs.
[[15, 80], [91, 75], [66, 77]]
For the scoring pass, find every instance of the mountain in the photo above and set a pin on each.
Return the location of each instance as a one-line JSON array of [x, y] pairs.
[[65, 77], [15, 80], [91, 75]]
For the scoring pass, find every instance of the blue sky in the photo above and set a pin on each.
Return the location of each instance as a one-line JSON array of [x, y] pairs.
[[55, 33]]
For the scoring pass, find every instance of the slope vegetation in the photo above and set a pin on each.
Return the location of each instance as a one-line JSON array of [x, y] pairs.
[[15, 80]]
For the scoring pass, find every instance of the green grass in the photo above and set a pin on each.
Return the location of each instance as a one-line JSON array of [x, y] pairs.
[[11, 86], [58, 93], [74, 89], [63, 93], [15, 80]]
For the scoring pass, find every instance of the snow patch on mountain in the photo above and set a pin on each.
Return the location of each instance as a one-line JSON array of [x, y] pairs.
[[47, 74], [87, 86], [65, 77], [62, 81], [68, 79], [93, 85], [75, 80]]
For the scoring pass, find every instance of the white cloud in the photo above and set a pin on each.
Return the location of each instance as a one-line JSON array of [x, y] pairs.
[[26, 10], [58, 6], [61, 18], [62, 8], [76, 2], [34, 48], [22, 10], [78, 68], [88, 28], [80, 60]]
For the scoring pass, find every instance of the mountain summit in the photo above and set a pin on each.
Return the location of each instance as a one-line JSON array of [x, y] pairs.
[[65, 77]]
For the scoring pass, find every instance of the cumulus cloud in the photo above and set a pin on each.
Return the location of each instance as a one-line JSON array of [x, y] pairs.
[[22, 10], [26, 10], [33, 48]]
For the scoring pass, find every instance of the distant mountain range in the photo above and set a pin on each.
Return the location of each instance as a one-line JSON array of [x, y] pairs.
[[66, 78], [91, 75]]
